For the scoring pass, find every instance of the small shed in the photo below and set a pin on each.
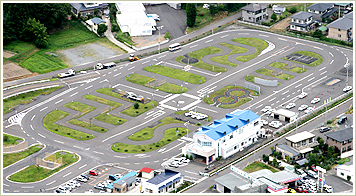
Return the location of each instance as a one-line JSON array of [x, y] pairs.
[[285, 115], [147, 172]]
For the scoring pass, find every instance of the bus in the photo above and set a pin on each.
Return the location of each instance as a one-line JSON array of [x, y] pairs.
[[174, 47]]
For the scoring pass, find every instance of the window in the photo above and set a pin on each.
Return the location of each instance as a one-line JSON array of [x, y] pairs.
[[349, 141], [333, 140], [256, 123], [343, 149], [344, 142], [292, 26], [349, 148], [342, 174], [242, 144], [235, 147], [249, 139], [231, 136], [311, 140], [249, 18], [303, 142], [339, 29], [241, 131], [339, 35]]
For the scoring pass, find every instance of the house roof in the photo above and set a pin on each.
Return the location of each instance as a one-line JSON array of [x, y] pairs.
[[81, 7], [342, 135], [342, 23], [300, 136], [125, 178], [342, 4], [162, 176], [350, 15], [283, 177], [321, 6], [289, 149], [97, 20], [146, 169], [254, 7], [231, 180], [285, 113], [261, 173], [302, 161], [302, 15], [227, 125]]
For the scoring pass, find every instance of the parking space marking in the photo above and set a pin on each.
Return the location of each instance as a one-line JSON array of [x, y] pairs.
[[82, 166], [88, 87], [298, 85], [67, 174], [41, 135], [285, 92], [73, 94], [156, 161], [322, 68], [224, 36], [33, 117], [109, 72], [277, 102], [323, 72], [331, 61], [272, 99], [146, 162], [288, 95], [282, 99], [311, 79], [193, 46], [259, 106], [43, 109], [191, 172], [115, 70], [59, 101], [209, 41], [293, 93], [272, 104], [136, 163]]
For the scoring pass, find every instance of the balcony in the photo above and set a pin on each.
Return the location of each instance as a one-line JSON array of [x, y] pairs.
[[309, 145]]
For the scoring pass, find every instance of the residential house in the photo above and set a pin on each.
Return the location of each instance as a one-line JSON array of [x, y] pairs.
[[297, 146], [165, 182], [147, 173], [322, 10], [254, 13], [224, 137], [302, 21], [343, 6], [278, 9], [88, 8], [285, 115], [342, 28], [342, 139], [94, 23]]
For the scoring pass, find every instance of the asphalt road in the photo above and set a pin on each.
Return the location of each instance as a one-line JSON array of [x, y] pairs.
[[97, 151]]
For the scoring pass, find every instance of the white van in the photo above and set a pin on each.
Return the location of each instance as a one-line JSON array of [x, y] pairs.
[[174, 47]]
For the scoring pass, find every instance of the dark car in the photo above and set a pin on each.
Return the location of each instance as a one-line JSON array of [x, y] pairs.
[[342, 120], [112, 177], [85, 176], [324, 129]]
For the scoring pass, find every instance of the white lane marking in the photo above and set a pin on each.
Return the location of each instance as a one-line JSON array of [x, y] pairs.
[[243, 33], [117, 74], [32, 138], [209, 41], [311, 79], [115, 70], [193, 46], [146, 62], [81, 84], [131, 68], [259, 106], [121, 67], [191, 177], [51, 182], [73, 94], [344, 54], [104, 75], [136, 163], [41, 135], [146, 162], [27, 134], [102, 81], [341, 51], [224, 36], [173, 147], [323, 72], [282, 99], [191, 172], [82, 166], [120, 157], [33, 117], [31, 127], [322, 68], [161, 56], [98, 152], [331, 54], [298, 85], [293, 93], [298, 90], [282, 39], [23, 131], [5, 185], [288, 95], [88, 87], [59, 101], [318, 48], [277, 102], [156, 161], [204, 109], [347, 183], [16, 191], [109, 72], [27, 187], [43, 109], [67, 174], [126, 163], [272, 104], [58, 141], [272, 99], [285, 92], [77, 147], [137, 90], [263, 35], [150, 112]]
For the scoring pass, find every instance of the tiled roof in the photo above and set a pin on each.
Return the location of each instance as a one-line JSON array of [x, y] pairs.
[[302, 15], [321, 6], [342, 135]]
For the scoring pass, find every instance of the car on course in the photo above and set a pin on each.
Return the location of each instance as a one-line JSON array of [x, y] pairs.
[[315, 100], [290, 105], [342, 120], [93, 172], [309, 109], [324, 129], [302, 107], [299, 189], [190, 113], [302, 95], [266, 108], [347, 89]]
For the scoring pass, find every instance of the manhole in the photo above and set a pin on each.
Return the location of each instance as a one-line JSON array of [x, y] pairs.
[[332, 82]]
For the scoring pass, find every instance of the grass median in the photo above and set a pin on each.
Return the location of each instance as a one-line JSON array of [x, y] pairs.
[[269, 72], [49, 122], [283, 66], [199, 54], [147, 133], [258, 44], [35, 173], [11, 158], [311, 54], [9, 140], [237, 104], [170, 135], [256, 166], [102, 101], [176, 74], [114, 120], [87, 125], [234, 50], [109, 92], [222, 92], [142, 108], [25, 98], [251, 78], [166, 87], [81, 107]]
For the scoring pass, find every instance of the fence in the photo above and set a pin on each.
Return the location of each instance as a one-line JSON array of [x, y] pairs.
[[253, 87], [17, 148], [266, 82], [253, 24], [51, 162]]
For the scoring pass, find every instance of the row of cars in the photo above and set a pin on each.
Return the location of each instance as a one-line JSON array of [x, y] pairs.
[[72, 184], [197, 115], [308, 185]]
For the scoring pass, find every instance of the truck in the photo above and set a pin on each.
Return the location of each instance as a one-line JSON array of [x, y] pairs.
[[70, 72], [133, 57], [104, 66], [133, 96]]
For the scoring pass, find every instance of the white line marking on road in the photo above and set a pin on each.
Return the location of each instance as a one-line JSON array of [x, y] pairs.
[[27, 134], [117, 74], [146, 62], [272, 104], [126, 163], [58, 141], [346, 183], [191, 177], [259, 106], [243, 33], [322, 68], [224, 36], [272, 99], [102, 81], [298, 90], [33, 117], [77, 147], [288, 95], [5, 185], [98, 152], [73, 94], [138, 90], [16, 191], [282, 39], [205, 109], [130, 68], [331, 54], [88, 87], [27, 187], [311, 79], [31, 127], [173, 147], [146, 162], [323, 72], [104, 75], [41, 135], [109, 72], [67, 174], [193, 46], [344, 54], [120, 157], [82, 166], [263, 35], [191, 172], [277, 102], [81, 84], [282, 99], [121, 67], [161, 56], [115, 70], [165, 159], [32, 138], [59, 101], [136, 163], [51, 182], [293, 93], [23, 131], [285, 92], [156, 161], [43, 109], [209, 41], [298, 85], [341, 51]]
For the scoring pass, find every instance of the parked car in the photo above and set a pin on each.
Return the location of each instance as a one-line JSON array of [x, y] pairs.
[[342, 120], [302, 107], [82, 179], [306, 191], [290, 190], [290, 105], [266, 108], [75, 183], [302, 95], [313, 168], [201, 116], [100, 186], [189, 113], [299, 189], [347, 89], [65, 188], [275, 124], [264, 122], [328, 188], [315, 100], [93, 172], [312, 174], [61, 191], [324, 129], [174, 164], [308, 110], [206, 6], [85, 176]]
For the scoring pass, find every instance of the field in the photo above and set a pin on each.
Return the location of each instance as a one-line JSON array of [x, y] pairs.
[[223, 59], [256, 166], [269, 72], [83, 108], [87, 125], [102, 100], [283, 66], [258, 44], [104, 117], [222, 91], [131, 111]]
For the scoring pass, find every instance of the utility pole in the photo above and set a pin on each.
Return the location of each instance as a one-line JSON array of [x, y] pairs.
[[159, 38]]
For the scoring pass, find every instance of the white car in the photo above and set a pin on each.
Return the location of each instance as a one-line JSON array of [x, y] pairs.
[[302, 95], [206, 6], [190, 113], [264, 122], [290, 105], [267, 108], [201, 116], [310, 109], [347, 89], [275, 124], [270, 112], [315, 100], [75, 183], [82, 179], [302, 107]]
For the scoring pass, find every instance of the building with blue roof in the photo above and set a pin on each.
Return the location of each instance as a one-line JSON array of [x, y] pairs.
[[123, 184], [163, 183], [224, 137], [94, 23]]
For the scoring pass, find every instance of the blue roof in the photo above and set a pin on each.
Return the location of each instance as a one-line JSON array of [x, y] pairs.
[[162, 177], [230, 123], [97, 20], [121, 180]]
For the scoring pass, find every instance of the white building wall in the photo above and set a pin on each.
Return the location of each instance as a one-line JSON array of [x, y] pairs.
[[345, 170], [148, 186]]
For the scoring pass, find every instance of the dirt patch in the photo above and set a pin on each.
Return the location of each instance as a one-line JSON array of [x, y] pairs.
[[282, 25], [13, 71], [8, 54], [146, 40]]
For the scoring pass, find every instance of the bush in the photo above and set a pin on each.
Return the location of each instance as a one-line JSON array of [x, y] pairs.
[[292, 10], [136, 105], [6, 138], [329, 122], [167, 36], [191, 157]]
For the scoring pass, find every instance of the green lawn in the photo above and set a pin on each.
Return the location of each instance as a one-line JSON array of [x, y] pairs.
[[283, 66], [25, 98], [237, 93], [256, 166], [21, 48], [225, 99], [109, 92], [41, 62], [258, 44], [81, 107], [234, 50], [9, 140], [147, 133], [250, 78], [56, 115], [179, 59], [114, 120], [222, 92], [170, 135], [269, 72], [14, 157], [87, 125], [166, 87], [199, 54], [237, 104], [103, 101], [131, 111], [176, 74], [311, 54], [33, 173], [181, 112]]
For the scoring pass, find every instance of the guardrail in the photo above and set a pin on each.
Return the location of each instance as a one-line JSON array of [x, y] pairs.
[[35, 89], [27, 83]]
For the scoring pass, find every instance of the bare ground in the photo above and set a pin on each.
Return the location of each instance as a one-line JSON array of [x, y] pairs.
[[146, 40], [8, 54], [12, 71], [282, 25]]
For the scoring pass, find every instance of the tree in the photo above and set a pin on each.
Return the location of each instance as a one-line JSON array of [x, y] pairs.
[[96, 11], [6, 138], [265, 158], [287, 159], [36, 32], [213, 9], [191, 11], [348, 178], [275, 162], [317, 33], [316, 149], [323, 20], [292, 10], [191, 157], [136, 105], [272, 149], [101, 29], [274, 17]]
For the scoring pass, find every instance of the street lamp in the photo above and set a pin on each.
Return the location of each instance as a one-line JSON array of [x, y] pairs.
[[347, 72], [159, 38]]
